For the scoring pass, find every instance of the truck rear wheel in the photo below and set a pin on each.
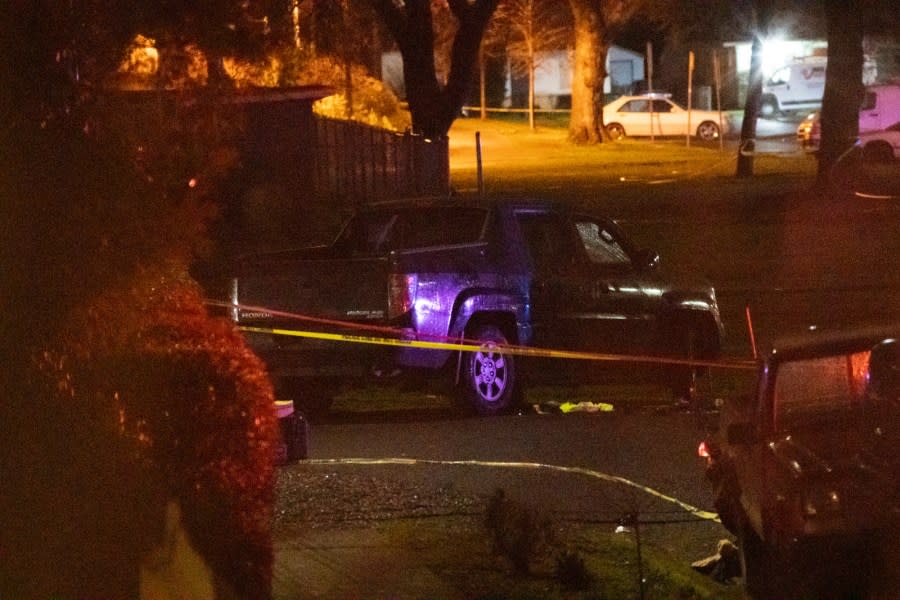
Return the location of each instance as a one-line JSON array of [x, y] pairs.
[[755, 563], [687, 343], [489, 374]]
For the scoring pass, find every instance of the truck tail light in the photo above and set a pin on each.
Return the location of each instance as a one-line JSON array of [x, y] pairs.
[[401, 293]]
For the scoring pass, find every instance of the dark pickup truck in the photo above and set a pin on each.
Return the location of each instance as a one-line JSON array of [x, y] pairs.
[[494, 273], [805, 471]]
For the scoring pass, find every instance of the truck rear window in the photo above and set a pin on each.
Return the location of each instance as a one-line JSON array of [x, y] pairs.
[[808, 391], [374, 233]]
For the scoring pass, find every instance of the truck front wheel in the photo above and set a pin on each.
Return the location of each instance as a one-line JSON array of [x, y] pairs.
[[488, 374]]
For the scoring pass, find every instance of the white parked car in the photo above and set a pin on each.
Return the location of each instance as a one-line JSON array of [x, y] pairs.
[[635, 115]]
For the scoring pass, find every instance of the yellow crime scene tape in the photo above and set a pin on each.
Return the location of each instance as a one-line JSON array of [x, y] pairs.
[[693, 510], [743, 364], [510, 349], [505, 348]]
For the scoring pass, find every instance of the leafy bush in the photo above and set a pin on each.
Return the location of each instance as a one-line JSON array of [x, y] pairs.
[[121, 392], [571, 571], [517, 532], [373, 103]]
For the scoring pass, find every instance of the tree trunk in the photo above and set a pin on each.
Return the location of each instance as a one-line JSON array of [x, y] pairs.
[[591, 46], [531, 67], [843, 84], [762, 17], [432, 106], [747, 147]]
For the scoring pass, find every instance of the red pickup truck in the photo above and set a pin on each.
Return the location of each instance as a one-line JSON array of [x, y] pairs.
[[805, 471]]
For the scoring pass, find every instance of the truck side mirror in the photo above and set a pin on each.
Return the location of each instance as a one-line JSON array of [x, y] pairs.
[[742, 433]]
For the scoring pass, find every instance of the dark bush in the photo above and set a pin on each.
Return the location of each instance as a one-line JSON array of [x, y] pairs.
[[120, 393], [517, 532]]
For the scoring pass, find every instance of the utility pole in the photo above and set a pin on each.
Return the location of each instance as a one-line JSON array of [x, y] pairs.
[[690, 94], [650, 82], [348, 65]]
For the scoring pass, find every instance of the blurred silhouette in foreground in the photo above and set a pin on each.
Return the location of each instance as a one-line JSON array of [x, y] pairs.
[[138, 431]]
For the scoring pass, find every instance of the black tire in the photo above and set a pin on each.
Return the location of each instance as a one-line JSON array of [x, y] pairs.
[[756, 563], [615, 131], [768, 107], [684, 378], [708, 131], [726, 500], [771, 575], [312, 398], [488, 383]]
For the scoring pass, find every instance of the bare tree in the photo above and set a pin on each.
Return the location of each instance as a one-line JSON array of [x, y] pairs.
[[525, 30], [760, 17], [843, 85], [435, 105], [596, 24]]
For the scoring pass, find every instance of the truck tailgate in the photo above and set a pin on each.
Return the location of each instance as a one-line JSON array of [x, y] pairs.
[[346, 289]]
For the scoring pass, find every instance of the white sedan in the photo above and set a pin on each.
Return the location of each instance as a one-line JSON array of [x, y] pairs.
[[635, 115]]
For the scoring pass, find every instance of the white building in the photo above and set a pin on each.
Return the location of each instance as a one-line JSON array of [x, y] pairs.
[[553, 76]]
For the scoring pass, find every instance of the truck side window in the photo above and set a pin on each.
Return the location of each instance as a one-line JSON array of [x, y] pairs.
[[548, 239], [600, 244], [366, 236], [439, 226]]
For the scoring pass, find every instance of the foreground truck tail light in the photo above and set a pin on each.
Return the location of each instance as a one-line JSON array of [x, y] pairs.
[[703, 450], [401, 294]]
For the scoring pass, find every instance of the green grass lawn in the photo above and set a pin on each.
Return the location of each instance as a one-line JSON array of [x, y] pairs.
[[516, 159], [461, 557]]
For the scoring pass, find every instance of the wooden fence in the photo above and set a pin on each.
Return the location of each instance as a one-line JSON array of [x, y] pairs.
[[357, 163]]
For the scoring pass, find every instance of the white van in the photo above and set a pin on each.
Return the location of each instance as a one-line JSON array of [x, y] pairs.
[[880, 107], [800, 85], [797, 86]]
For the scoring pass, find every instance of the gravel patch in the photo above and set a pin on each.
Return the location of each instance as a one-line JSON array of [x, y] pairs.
[[306, 494]]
